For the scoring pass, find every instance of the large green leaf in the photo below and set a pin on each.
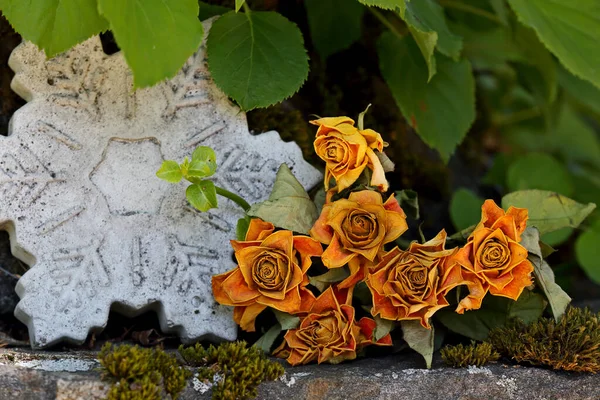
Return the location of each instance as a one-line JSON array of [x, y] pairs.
[[385, 4], [583, 92], [54, 25], [494, 312], [289, 206], [587, 250], [334, 24], [575, 141], [569, 28], [465, 208], [156, 36], [539, 171], [419, 339], [210, 10], [442, 110], [558, 299], [257, 58], [548, 211]]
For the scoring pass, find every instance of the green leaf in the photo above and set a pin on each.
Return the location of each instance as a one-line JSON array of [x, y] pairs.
[[488, 48], [156, 36], [575, 141], [557, 237], [322, 282], [583, 92], [170, 171], [570, 29], [409, 201], [494, 312], [497, 174], [428, 16], [54, 25], [539, 171], [465, 208], [286, 321], [204, 162], [442, 110], [257, 58], [289, 206], [419, 339], [544, 275], [587, 251], [548, 211], [202, 195], [210, 10], [382, 327], [385, 4], [239, 4], [242, 227], [265, 343], [334, 24]]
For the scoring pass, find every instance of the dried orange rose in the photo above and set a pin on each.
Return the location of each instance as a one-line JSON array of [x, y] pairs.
[[412, 284], [493, 260], [328, 332], [347, 151], [271, 272], [356, 230]]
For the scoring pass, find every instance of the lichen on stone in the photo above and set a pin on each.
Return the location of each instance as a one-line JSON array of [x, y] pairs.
[[476, 354], [572, 344], [141, 373], [233, 369]]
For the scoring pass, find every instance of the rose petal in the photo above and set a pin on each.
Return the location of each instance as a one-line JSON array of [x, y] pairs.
[[321, 231], [335, 255], [374, 139], [259, 229], [290, 303], [391, 204], [249, 315], [477, 290], [282, 240], [521, 279], [395, 226], [235, 287], [378, 179], [325, 301], [366, 197], [490, 212], [332, 121], [520, 215]]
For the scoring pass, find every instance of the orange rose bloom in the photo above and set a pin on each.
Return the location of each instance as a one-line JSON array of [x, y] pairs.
[[356, 230], [348, 151], [328, 332], [271, 272], [493, 260], [413, 284]]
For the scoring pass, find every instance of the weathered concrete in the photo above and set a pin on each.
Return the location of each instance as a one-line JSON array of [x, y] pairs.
[[398, 377], [81, 202]]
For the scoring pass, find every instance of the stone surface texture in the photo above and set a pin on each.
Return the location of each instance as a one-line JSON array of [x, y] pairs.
[[82, 205], [398, 377]]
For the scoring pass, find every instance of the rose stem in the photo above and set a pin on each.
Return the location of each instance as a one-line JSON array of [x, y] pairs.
[[233, 197]]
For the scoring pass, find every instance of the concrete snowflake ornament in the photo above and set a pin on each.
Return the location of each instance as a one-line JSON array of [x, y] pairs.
[[83, 207]]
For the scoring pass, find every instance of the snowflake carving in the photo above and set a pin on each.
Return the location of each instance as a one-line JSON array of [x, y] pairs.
[[79, 196]]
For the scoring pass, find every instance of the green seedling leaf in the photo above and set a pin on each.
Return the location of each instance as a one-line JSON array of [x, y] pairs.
[[286, 321], [442, 124], [202, 195], [257, 58], [494, 312], [322, 282], [382, 327], [265, 343], [289, 206], [239, 4], [587, 250], [54, 25], [570, 29], [539, 171], [145, 31], [170, 171], [465, 208], [204, 153], [409, 201], [548, 211], [558, 299], [210, 10], [242, 228], [385, 4], [419, 339], [334, 24], [203, 164]]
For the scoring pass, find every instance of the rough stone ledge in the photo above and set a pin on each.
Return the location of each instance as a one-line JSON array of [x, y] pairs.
[[37, 375]]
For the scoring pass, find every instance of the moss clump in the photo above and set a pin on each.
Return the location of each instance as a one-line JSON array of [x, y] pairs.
[[476, 354], [572, 344], [235, 368], [141, 373]]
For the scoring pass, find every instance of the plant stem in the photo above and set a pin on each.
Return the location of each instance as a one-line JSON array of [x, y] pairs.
[[233, 197], [518, 116], [470, 9], [386, 22], [246, 8]]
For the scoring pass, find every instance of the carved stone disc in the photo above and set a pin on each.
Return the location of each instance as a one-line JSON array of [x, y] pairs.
[[82, 204]]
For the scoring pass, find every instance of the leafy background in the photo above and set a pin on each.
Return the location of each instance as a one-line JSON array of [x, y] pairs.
[[477, 98]]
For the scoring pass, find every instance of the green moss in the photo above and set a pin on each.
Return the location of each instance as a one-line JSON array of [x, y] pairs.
[[572, 344], [476, 354], [240, 368], [141, 373]]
